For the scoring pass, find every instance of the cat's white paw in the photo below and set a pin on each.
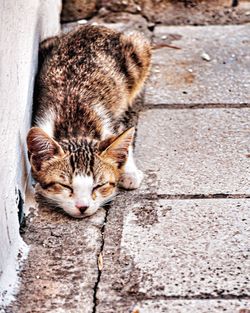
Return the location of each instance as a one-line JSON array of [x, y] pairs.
[[131, 180]]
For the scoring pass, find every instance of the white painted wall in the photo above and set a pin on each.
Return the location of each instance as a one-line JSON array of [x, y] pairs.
[[23, 23]]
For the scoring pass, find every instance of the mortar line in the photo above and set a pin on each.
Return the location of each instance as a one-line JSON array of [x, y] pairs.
[[178, 106], [143, 297], [154, 196]]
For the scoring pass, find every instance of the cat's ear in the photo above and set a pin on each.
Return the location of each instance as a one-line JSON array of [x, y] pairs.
[[117, 150], [42, 147]]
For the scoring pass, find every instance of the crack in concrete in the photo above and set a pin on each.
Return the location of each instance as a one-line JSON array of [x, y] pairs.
[[95, 300]]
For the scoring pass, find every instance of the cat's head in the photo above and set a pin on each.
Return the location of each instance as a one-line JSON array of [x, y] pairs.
[[78, 176]]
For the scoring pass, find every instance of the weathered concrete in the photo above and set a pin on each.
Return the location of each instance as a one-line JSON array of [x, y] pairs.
[[181, 76], [178, 306], [78, 9], [199, 306], [200, 151], [22, 25], [160, 254], [61, 271], [167, 249], [168, 12], [125, 23]]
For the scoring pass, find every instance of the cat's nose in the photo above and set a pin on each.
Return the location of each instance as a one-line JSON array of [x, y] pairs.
[[82, 209]]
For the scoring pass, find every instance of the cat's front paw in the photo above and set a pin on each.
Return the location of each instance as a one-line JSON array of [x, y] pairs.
[[131, 180]]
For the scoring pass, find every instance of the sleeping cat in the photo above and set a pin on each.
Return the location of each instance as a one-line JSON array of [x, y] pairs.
[[88, 79]]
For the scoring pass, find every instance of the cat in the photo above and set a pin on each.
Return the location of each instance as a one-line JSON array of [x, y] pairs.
[[78, 154]]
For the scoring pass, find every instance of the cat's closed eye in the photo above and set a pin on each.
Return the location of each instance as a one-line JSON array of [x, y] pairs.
[[57, 186], [104, 188], [66, 187], [100, 185]]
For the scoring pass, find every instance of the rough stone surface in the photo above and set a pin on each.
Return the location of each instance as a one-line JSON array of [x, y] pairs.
[[179, 306], [199, 306], [180, 75], [125, 22], [78, 9], [61, 271], [199, 151], [196, 12], [134, 6], [167, 249], [167, 12], [170, 12]]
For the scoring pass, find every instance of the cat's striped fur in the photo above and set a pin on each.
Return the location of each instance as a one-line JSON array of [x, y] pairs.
[[88, 79]]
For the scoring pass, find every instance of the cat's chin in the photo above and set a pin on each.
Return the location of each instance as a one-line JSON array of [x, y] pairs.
[[79, 215]]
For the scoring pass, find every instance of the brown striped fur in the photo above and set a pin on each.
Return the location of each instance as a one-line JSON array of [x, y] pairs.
[[88, 79]]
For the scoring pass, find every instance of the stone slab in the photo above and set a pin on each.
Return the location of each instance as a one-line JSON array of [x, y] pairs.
[[199, 151], [181, 76], [175, 249], [61, 271], [167, 12], [181, 306], [195, 306]]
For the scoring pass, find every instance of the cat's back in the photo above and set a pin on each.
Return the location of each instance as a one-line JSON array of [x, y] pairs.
[[85, 56], [91, 68], [80, 50]]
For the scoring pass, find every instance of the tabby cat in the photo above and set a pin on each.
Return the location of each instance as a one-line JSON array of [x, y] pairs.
[[88, 79]]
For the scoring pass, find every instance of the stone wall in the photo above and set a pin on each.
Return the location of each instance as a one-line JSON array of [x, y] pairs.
[[162, 11], [22, 25]]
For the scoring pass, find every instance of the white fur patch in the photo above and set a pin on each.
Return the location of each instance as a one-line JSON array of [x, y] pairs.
[[82, 186], [130, 165], [104, 117], [132, 176], [47, 122]]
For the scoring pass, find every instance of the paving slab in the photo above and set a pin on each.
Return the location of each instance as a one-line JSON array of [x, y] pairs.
[[194, 152], [199, 306], [61, 271], [175, 250], [182, 75], [180, 306]]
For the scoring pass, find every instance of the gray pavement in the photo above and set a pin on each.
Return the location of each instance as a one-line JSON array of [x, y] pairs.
[[181, 242], [181, 250], [180, 75], [195, 152], [60, 273], [201, 306]]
